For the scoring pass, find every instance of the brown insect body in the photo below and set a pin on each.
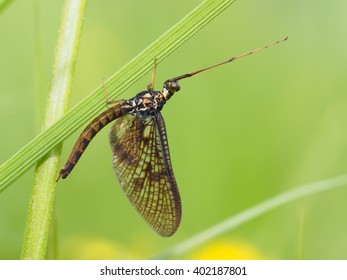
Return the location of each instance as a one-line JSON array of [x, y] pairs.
[[141, 157]]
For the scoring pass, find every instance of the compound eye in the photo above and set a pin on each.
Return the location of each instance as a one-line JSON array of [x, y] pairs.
[[175, 86]]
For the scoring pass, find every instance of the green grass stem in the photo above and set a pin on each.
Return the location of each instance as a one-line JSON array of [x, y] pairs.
[[42, 197]]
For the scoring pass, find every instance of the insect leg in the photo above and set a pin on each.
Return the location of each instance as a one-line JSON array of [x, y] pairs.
[[150, 87]]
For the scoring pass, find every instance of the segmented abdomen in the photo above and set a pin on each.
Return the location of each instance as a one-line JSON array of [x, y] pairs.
[[88, 134]]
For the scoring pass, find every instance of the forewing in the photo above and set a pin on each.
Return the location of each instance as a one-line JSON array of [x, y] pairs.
[[141, 162]]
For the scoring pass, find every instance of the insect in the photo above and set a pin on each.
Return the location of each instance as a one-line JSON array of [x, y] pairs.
[[141, 157]]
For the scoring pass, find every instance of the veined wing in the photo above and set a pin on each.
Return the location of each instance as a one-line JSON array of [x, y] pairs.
[[141, 162]]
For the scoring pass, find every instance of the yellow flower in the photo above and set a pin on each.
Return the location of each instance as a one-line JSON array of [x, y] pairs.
[[227, 250]]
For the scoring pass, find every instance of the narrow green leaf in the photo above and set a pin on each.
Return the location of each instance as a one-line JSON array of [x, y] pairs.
[[120, 81]]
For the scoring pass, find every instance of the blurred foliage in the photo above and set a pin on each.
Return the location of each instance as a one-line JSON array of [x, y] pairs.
[[238, 134]]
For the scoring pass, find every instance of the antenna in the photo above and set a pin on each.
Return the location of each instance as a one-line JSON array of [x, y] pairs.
[[188, 75]]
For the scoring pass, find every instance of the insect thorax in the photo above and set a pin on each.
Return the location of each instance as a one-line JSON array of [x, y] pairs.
[[146, 103]]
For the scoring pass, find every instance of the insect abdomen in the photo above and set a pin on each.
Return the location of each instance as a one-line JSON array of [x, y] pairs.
[[88, 134]]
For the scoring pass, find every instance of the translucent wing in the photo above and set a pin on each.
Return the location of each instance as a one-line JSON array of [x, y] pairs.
[[141, 162]]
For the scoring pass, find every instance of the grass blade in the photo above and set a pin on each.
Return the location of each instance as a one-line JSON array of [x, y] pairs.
[[120, 81]]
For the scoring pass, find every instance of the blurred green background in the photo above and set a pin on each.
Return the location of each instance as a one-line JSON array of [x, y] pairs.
[[238, 134]]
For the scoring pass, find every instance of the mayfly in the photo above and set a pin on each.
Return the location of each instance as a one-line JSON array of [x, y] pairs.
[[141, 157]]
